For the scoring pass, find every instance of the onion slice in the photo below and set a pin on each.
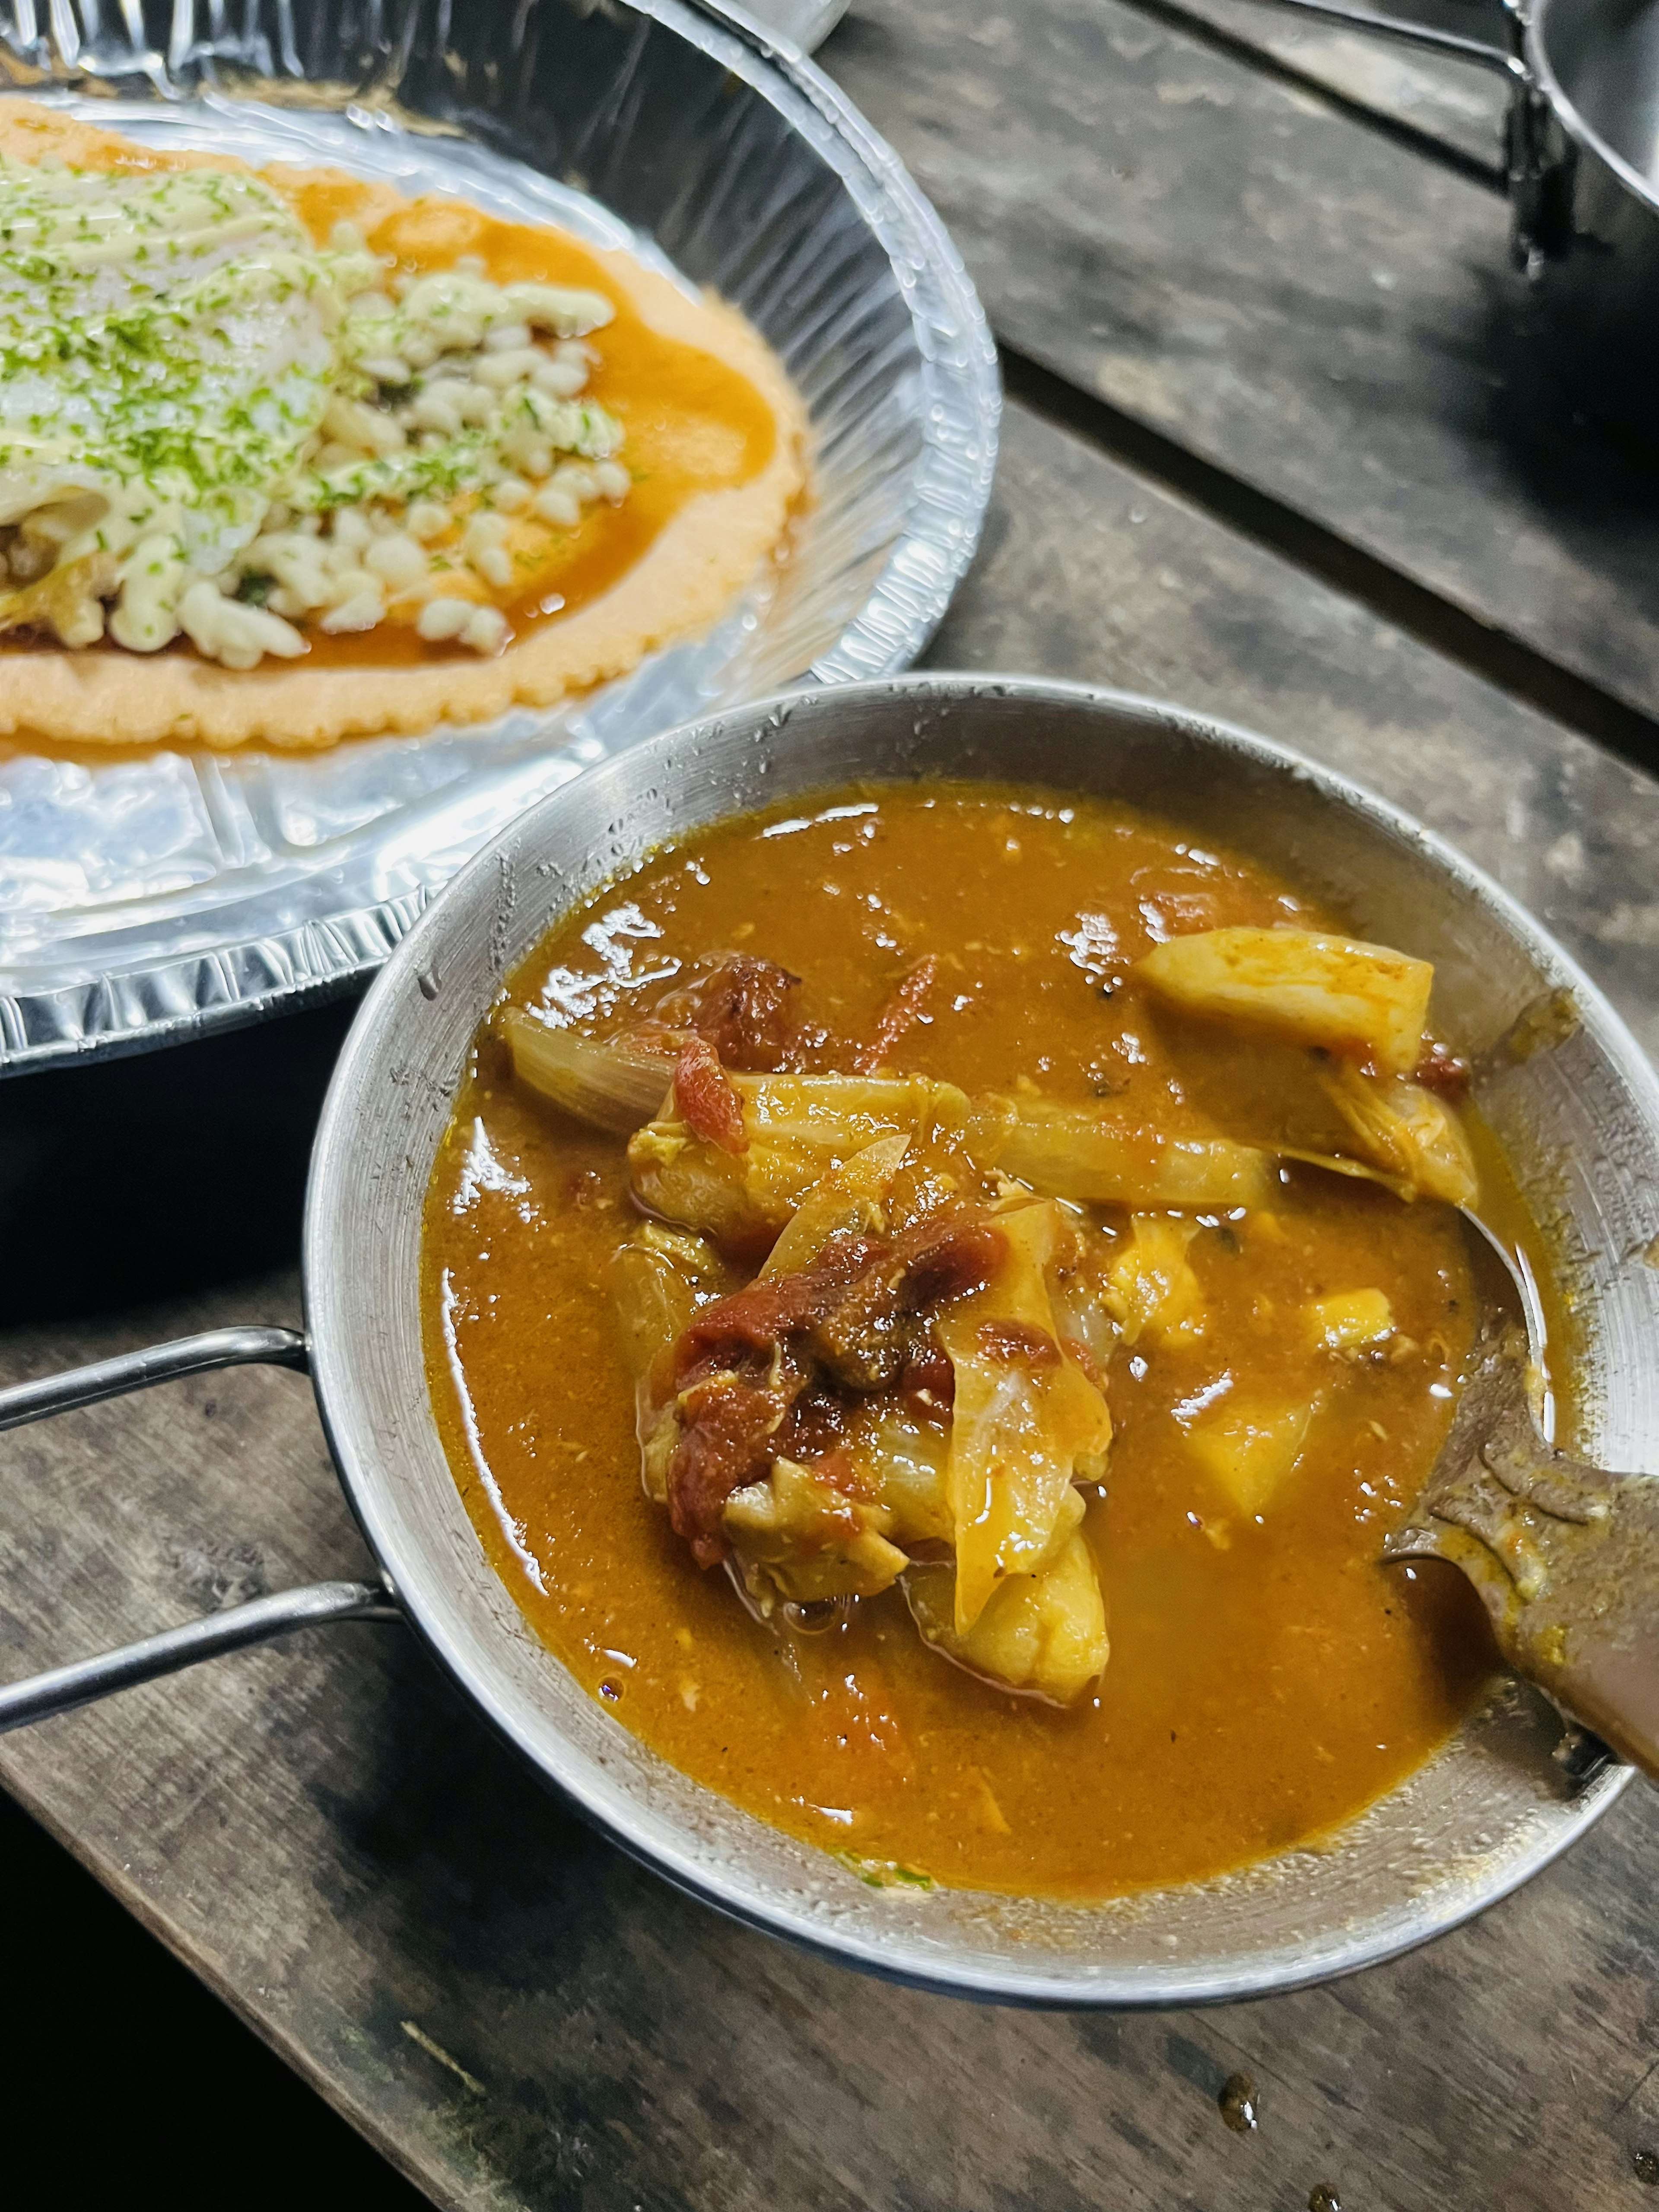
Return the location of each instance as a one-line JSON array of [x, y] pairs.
[[616, 1086]]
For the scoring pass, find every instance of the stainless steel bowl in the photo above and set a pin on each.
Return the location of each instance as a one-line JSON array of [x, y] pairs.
[[1579, 1116], [144, 900]]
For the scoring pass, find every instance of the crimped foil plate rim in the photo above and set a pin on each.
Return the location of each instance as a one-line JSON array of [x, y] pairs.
[[166, 1000]]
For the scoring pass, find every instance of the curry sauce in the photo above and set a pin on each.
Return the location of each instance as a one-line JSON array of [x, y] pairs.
[[1268, 1677]]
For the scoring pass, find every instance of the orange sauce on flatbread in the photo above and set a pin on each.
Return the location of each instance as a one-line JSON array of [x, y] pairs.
[[692, 424]]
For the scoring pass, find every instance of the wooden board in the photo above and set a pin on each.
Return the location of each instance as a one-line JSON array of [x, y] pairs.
[[1442, 109], [519, 2016], [1299, 299]]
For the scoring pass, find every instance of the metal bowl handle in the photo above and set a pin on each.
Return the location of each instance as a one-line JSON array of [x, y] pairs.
[[248, 1346], [315, 1606], [1537, 168]]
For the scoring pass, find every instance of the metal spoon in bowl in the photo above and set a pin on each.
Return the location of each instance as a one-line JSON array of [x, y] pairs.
[[1565, 1557]]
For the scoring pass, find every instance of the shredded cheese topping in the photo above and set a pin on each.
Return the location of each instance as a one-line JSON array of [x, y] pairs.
[[209, 426]]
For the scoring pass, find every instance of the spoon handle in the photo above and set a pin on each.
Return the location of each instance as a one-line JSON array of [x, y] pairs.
[[1594, 1648], [1564, 1557]]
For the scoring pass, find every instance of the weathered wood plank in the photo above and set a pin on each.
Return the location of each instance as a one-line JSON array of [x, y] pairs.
[[1454, 106], [522, 2019], [1283, 290]]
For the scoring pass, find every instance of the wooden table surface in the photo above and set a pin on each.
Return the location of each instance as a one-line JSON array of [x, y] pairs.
[[1262, 459]]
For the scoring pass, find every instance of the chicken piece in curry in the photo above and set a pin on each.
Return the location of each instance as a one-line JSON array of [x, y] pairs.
[[935, 1299]]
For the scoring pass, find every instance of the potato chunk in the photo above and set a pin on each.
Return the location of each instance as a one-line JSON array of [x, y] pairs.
[[1351, 1323], [811, 1537], [1044, 1634], [1150, 1288], [1362, 1000], [1026, 1420], [1249, 1449]]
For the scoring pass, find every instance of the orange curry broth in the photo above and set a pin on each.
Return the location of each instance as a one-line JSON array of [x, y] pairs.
[[1269, 1677], [691, 425]]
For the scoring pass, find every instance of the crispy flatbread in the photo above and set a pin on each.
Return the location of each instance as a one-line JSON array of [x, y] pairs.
[[701, 561]]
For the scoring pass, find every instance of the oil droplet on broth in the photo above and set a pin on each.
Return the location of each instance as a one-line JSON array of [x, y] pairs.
[[1237, 2102]]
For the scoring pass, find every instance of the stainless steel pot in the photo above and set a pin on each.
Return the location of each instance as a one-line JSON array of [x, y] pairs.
[[1581, 162], [1579, 1116]]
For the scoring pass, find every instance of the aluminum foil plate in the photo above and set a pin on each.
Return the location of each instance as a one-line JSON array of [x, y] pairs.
[[148, 897]]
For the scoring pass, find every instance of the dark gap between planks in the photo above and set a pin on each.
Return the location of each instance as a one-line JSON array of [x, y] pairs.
[[1424, 144], [186, 2092], [1499, 659]]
